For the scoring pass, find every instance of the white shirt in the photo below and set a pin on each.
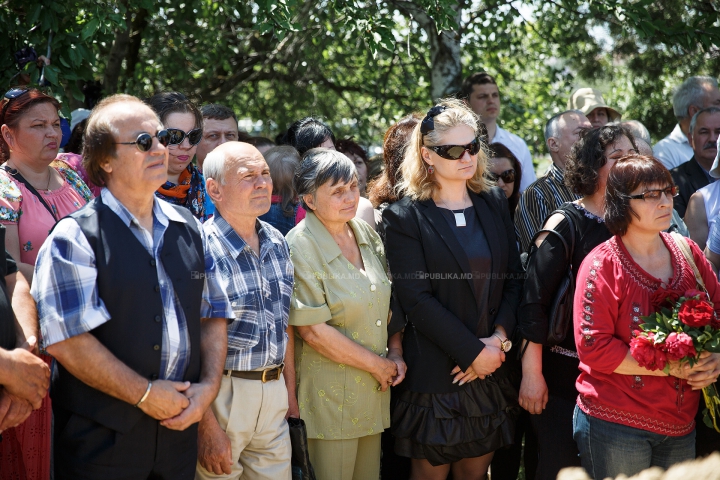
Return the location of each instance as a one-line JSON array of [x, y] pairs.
[[674, 149], [519, 148], [711, 196]]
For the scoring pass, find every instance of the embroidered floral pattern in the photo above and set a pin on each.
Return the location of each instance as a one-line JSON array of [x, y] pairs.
[[10, 192], [72, 178], [635, 321], [589, 215], [27, 247], [587, 313]]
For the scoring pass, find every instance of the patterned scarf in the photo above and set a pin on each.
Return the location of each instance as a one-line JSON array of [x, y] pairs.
[[188, 193]]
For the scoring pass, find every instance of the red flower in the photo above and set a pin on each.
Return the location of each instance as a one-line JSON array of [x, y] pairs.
[[664, 298], [696, 313], [694, 293], [647, 354], [679, 346]]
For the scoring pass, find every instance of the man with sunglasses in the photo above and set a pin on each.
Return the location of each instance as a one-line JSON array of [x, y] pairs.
[[132, 309], [481, 93]]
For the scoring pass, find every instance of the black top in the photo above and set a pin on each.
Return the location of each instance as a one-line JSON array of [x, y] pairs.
[[434, 286], [7, 319], [690, 177], [546, 269]]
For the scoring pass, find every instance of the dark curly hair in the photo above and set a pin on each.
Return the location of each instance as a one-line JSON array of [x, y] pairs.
[[588, 156], [307, 133], [629, 173]]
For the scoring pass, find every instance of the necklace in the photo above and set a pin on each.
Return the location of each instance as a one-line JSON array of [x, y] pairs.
[[47, 187], [460, 220]]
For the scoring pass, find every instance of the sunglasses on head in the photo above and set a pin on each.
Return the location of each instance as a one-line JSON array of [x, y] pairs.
[[508, 176], [654, 195], [455, 152], [12, 94], [144, 140], [177, 136]]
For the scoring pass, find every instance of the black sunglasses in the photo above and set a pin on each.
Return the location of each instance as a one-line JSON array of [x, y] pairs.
[[455, 152], [508, 176], [12, 94], [654, 195], [177, 136], [144, 140]]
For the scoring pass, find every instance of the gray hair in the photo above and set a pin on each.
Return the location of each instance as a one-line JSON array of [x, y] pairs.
[[319, 166], [552, 127], [214, 166], [637, 129], [690, 93], [709, 110]]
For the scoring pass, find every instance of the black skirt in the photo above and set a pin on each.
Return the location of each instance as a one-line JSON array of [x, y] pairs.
[[447, 427]]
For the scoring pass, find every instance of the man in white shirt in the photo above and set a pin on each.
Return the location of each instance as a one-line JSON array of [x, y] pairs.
[[481, 93], [693, 95]]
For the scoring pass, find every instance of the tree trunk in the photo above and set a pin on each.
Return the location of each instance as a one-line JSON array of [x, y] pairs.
[[135, 41], [118, 51], [446, 67]]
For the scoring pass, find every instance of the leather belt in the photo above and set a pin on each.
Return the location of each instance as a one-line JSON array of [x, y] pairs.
[[269, 375]]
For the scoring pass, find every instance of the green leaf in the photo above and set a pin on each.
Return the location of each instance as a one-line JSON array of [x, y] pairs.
[[51, 74], [89, 29]]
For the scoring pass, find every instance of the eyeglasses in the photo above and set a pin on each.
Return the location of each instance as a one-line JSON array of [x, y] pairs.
[[144, 140], [177, 136], [12, 94], [508, 176], [654, 195], [455, 152]]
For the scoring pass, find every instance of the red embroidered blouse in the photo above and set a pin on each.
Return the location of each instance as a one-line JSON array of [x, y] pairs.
[[612, 293]]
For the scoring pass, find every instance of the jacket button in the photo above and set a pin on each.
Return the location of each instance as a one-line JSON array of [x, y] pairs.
[[158, 318], [153, 376], [157, 288], [152, 262], [156, 347], [493, 311]]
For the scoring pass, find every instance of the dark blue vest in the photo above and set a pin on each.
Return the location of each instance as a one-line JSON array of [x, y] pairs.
[[128, 285]]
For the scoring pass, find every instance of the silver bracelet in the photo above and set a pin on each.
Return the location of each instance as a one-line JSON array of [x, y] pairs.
[[144, 397]]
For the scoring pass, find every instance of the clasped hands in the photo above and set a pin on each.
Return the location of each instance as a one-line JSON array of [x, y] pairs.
[[700, 375], [490, 359], [25, 379], [177, 404]]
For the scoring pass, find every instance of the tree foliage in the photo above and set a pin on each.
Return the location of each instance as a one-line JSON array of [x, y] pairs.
[[363, 64]]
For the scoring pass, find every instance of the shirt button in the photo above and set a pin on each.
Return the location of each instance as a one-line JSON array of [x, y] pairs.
[[152, 262], [157, 288], [372, 288], [158, 318], [156, 347], [234, 304], [378, 323]]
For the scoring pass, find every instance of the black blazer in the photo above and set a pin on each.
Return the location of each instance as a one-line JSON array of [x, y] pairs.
[[441, 308], [690, 177]]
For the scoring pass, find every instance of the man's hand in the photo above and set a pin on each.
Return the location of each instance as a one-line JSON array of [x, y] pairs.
[[13, 410], [24, 375], [705, 372], [200, 396], [293, 408], [214, 448], [166, 399]]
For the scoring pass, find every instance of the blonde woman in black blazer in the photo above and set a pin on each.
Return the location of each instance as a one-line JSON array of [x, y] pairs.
[[452, 251]]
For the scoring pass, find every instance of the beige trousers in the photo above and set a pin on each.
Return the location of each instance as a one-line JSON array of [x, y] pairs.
[[252, 414], [353, 459]]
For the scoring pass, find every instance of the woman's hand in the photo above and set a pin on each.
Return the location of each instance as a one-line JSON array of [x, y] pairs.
[[533, 392], [489, 360], [384, 372], [705, 372], [396, 357], [464, 377]]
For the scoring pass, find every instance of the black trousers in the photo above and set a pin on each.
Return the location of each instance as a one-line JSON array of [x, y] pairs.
[[506, 461], [554, 430], [86, 450]]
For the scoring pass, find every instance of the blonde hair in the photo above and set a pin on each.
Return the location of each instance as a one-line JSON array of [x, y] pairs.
[[416, 182]]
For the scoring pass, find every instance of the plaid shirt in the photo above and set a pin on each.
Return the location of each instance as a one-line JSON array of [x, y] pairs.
[[259, 289], [65, 285]]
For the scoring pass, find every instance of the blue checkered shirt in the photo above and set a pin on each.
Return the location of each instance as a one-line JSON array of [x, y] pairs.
[[259, 289], [65, 285]]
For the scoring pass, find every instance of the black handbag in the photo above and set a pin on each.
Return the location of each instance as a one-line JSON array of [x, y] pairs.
[[302, 469], [560, 316]]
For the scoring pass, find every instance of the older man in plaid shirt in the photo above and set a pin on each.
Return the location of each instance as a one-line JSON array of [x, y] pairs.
[[244, 434]]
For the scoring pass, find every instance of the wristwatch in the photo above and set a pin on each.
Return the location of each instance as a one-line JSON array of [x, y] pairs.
[[505, 345]]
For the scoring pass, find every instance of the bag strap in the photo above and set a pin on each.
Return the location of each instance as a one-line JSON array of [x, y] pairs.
[[569, 249], [687, 253], [17, 176]]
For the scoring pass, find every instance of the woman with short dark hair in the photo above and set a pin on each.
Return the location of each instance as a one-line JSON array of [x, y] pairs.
[[308, 133], [547, 389], [629, 418], [504, 168], [184, 122]]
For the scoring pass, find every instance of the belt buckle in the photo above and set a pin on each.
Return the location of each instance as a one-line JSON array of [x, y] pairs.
[[277, 370]]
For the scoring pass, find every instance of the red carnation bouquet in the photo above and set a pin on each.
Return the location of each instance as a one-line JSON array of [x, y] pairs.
[[683, 326]]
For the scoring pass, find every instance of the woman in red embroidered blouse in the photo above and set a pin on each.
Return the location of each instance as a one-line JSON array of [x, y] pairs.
[[628, 418]]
